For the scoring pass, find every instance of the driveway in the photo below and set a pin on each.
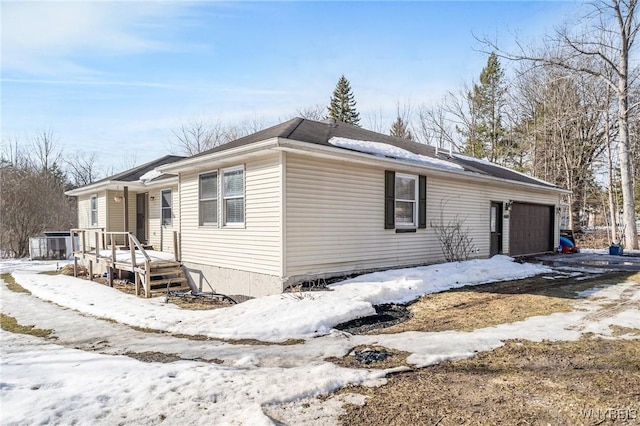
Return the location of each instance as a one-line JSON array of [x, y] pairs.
[[593, 260]]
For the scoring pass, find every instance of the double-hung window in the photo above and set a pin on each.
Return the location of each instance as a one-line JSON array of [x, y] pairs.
[[208, 198], [406, 200], [405, 207], [166, 206], [94, 210], [233, 196]]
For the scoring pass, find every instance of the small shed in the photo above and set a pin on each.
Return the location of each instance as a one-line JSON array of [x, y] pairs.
[[52, 245]]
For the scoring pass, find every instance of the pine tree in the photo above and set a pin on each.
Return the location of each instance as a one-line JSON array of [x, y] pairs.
[[486, 138], [399, 129], [342, 106]]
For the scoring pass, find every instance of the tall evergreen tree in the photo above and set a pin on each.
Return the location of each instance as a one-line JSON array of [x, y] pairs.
[[342, 106], [399, 129], [486, 138]]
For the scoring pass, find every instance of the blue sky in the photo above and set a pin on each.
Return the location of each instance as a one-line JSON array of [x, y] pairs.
[[116, 77]]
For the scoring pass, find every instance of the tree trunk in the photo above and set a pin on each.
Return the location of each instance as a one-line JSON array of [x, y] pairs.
[[628, 204]]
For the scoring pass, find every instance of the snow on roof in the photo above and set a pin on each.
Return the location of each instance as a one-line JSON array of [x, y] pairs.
[[381, 149], [489, 163], [149, 176]]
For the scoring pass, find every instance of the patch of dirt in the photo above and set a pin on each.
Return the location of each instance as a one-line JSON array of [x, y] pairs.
[[522, 382], [12, 284], [10, 324], [199, 303], [386, 316], [166, 358], [394, 359], [474, 307]]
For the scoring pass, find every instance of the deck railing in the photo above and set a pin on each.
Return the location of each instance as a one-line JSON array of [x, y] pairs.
[[102, 241]]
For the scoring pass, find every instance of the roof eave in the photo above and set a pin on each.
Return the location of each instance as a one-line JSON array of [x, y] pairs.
[[199, 162], [336, 153], [118, 185]]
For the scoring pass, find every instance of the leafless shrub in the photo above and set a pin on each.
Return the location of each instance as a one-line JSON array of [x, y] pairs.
[[455, 242]]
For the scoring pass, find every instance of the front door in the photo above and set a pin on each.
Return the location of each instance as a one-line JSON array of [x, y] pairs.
[[496, 229], [141, 217]]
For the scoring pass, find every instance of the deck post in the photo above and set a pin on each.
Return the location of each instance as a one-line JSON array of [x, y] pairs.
[[132, 250], [90, 270], [111, 270], [176, 255], [84, 244], [97, 241], [75, 266], [147, 279], [113, 250], [126, 212], [136, 276]]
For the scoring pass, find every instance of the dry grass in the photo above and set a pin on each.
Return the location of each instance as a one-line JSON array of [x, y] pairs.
[[519, 383], [12, 284], [10, 324], [199, 303], [162, 357], [68, 270], [470, 308]]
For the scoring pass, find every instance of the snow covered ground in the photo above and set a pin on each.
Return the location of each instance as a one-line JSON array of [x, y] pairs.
[[82, 376]]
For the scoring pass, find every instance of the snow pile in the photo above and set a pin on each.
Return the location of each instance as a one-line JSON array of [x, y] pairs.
[[45, 383], [282, 316], [149, 176], [381, 149]]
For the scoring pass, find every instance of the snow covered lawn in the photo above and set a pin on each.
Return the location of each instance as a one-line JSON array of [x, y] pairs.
[[81, 375]]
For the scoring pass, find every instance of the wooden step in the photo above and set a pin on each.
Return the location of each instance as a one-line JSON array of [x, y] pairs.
[[165, 271], [173, 282], [164, 264]]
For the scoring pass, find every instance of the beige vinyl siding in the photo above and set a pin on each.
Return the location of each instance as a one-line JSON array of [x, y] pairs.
[[471, 202], [335, 220], [335, 217], [255, 247], [84, 214], [115, 211], [161, 236]]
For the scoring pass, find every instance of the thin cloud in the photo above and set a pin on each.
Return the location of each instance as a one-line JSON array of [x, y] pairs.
[[56, 38], [92, 83]]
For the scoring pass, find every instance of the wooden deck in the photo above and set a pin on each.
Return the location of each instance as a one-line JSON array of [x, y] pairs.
[[154, 272]]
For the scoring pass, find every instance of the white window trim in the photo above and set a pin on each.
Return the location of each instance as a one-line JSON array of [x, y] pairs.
[[91, 210], [224, 197], [414, 224], [170, 208], [217, 199]]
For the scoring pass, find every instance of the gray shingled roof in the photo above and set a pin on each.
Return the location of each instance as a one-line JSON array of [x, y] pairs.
[[320, 132], [134, 174]]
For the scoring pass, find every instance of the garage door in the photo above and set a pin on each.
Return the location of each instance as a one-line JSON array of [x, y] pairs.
[[530, 229]]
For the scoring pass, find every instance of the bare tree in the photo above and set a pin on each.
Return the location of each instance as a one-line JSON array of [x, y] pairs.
[[315, 112], [45, 151], [82, 169], [436, 126], [606, 37], [197, 136], [32, 197]]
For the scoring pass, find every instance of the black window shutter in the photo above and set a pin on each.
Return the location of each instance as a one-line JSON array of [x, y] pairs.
[[389, 199], [422, 201]]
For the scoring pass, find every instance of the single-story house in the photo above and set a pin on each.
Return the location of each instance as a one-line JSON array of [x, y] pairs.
[[306, 200]]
